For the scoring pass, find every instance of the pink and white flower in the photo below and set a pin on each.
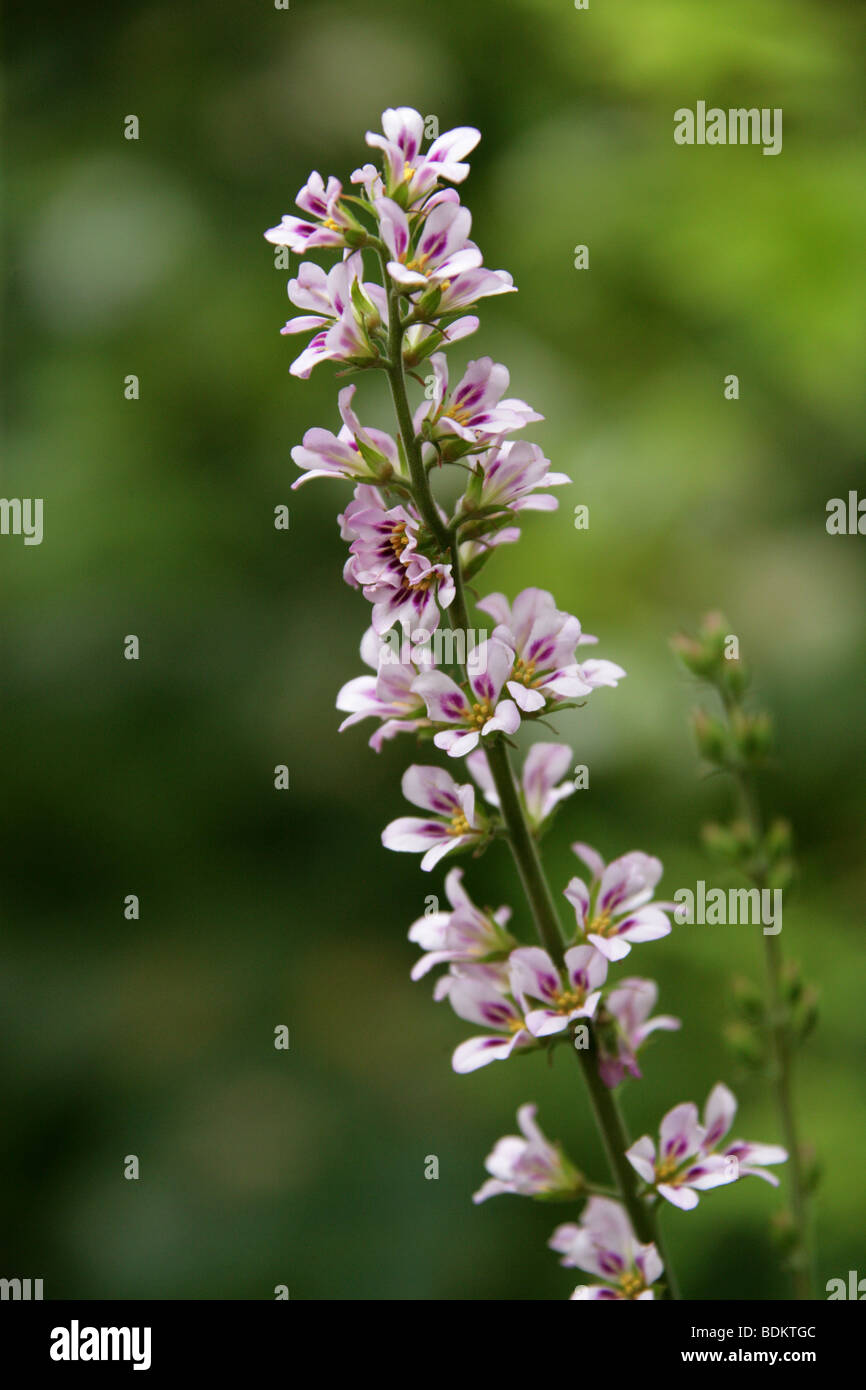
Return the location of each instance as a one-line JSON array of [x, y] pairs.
[[475, 409], [540, 788], [623, 1026], [529, 1166], [446, 703], [441, 250], [408, 172], [544, 641], [403, 585], [480, 994], [465, 934], [356, 453], [470, 286], [453, 824], [328, 220], [615, 911], [509, 474], [387, 695], [688, 1160], [603, 1243], [331, 316], [719, 1112], [549, 1002]]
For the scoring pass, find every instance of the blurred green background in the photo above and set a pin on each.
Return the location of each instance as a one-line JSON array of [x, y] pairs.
[[258, 907]]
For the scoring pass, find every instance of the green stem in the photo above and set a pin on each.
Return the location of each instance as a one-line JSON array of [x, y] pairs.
[[411, 447], [523, 847], [607, 1113], [535, 885], [780, 1044], [801, 1259]]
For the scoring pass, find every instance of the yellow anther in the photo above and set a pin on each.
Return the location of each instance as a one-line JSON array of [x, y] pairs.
[[600, 925], [481, 712], [568, 999], [631, 1284], [524, 671]]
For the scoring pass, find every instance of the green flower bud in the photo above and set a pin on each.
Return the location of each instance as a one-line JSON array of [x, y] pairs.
[[792, 982], [472, 495], [746, 1044], [778, 840], [711, 736], [735, 675], [355, 237], [744, 835], [753, 735], [721, 842], [694, 656], [428, 302], [812, 1168], [783, 1231], [748, 999]]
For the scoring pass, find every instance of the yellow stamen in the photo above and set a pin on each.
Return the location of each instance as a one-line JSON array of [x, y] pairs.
[[631, 1284], [524, 671], [481, 711], [459, 824], [600, 925], [568, 999]]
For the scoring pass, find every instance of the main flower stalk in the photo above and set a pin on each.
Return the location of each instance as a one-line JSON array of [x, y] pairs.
[[410, 558]]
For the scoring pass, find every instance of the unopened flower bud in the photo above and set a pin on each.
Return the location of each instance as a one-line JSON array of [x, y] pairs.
[[792, 981], [721, 841], [753, 735], [812, 1168], [428, 302], [745, 1043], [355, 237], [777, 842], [735, 674], [744, 835], [694, 655], [713, 627], [783, 1230], [710, 735], [748, 998]]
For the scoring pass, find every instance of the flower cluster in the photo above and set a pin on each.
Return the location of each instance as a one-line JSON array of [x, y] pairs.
[[402, 222]]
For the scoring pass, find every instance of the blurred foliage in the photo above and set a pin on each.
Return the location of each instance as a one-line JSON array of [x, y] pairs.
[[154, 1037]]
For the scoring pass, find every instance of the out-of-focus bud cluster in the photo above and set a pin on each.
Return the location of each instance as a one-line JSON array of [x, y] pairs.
[[704, 655], [800, 1000], [769, 858], [743, 739], [748, 1034]]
